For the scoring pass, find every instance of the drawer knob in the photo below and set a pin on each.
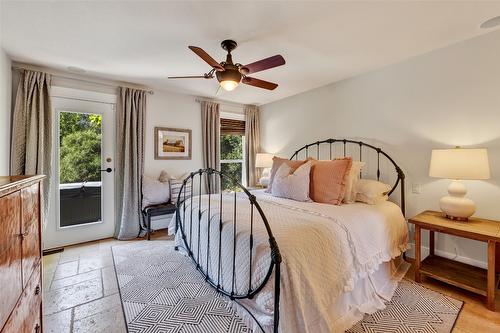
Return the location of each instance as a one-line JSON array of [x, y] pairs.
[[24, 234], [37, 290]]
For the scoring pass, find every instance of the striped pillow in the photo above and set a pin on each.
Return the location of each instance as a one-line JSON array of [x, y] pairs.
[[175, 188]]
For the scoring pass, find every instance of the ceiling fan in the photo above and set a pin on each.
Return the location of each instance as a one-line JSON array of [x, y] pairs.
[[230, 74]]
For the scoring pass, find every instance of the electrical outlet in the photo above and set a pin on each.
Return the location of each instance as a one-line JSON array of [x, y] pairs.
[[416, 188]]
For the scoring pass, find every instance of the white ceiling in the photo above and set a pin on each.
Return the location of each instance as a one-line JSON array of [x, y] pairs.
[[322, 42]]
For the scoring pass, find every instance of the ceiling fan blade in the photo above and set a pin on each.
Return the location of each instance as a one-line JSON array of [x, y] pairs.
[[205, 56], [264, 64], [259, 83], [190, 77]]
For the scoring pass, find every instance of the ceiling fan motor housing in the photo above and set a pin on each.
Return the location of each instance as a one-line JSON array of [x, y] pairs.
[[231, 73]]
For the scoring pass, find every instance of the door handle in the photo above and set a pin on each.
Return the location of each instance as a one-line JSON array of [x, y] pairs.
[[108, 170]]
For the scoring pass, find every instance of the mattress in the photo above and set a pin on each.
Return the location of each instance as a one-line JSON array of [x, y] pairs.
[[337, 260]]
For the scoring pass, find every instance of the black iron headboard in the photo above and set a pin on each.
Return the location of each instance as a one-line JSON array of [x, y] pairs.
[[400, 180]]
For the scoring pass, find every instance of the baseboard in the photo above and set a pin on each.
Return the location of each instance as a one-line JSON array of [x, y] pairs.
[[466, 260]]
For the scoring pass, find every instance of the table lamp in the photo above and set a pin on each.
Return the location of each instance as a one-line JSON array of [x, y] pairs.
[[459, 164], [265, 161]]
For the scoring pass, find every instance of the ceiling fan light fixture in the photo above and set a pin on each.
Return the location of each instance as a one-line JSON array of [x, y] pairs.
[[230, 78], [228, 85]]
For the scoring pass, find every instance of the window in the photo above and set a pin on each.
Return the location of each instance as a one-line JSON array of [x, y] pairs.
[[232, 147]]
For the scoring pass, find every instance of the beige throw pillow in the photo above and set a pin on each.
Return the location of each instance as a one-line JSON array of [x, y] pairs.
[[292, 184]]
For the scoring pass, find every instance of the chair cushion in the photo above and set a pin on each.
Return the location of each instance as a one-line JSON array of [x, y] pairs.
[[161, 209]]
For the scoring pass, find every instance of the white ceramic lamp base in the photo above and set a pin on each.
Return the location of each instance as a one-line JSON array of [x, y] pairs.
[[265, 178], [456, 206]]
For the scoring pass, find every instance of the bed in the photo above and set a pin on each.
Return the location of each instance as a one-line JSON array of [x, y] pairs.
[[295, 266]]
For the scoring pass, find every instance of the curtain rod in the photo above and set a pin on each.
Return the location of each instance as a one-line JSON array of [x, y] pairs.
[[203, 99], [70, 77]]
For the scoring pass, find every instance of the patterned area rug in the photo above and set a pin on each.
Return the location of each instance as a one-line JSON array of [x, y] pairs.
[[162, 291], [413, 308]]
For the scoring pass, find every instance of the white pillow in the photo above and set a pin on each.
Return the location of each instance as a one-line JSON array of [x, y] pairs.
[[154, 192], [371, 191], [290, 185], [352, 179], [360, 197]]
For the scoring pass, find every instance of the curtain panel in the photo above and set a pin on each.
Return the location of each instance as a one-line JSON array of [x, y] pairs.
[[130, 124], [252, 142], [210, 131], [31, 144]]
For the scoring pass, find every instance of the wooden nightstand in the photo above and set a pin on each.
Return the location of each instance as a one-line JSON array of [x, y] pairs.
[[474, 279]]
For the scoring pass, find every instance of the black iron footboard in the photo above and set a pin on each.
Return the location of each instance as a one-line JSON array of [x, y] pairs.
[[189, 219]]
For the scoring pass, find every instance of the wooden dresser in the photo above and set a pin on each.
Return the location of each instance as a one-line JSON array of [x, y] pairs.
[[20, 254]]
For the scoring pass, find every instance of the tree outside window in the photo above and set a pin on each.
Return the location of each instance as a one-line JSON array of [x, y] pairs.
[[232, 161], [80, 147]]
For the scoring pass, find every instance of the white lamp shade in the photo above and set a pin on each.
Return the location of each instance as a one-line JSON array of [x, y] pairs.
[[460, 163], [264, 160]]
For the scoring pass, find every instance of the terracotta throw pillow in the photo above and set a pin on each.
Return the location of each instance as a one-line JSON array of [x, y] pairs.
[[277, 162], [328, 180]]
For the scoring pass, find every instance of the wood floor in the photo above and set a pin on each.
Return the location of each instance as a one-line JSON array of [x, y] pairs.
[[80, 294]]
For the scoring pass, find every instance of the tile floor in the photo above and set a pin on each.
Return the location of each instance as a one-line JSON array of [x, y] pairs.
[[80, 289]]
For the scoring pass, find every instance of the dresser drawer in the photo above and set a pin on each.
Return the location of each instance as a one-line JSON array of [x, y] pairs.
[[10, 254], [30, 230], [26, 317]]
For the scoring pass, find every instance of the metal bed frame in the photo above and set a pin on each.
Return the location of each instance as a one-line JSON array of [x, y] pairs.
[[209, 177]]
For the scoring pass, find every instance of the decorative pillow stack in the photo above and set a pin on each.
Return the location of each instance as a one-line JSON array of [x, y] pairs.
[[326, 179], [331, 182], [162, 190]]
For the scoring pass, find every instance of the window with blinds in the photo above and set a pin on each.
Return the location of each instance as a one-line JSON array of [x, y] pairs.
[[232, 127], [232, 159]]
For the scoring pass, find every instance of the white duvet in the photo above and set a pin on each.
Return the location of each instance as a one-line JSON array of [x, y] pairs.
[[331, 256]]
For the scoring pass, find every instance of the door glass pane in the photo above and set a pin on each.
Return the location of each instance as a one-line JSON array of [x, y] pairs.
[[80, 187]]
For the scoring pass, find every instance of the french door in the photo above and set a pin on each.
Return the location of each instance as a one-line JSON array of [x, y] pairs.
[[82, 196]]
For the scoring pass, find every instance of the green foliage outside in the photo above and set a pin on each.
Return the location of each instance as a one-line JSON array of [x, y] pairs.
[[80, 147], [231, 147]]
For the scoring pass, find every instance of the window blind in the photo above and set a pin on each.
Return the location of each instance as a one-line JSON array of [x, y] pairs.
[[232, 127]]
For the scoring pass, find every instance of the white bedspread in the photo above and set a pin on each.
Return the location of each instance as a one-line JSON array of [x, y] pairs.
[[327, 252]]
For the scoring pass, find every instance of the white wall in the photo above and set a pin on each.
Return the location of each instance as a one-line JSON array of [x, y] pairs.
[[178, 111], [5, 111], [441, 99], [166, 109]]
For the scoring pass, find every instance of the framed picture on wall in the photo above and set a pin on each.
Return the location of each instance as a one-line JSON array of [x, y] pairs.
[[172, 143]]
